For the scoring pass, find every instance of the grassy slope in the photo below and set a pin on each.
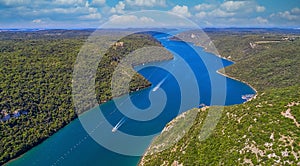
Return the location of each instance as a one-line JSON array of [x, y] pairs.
[[255, 132]]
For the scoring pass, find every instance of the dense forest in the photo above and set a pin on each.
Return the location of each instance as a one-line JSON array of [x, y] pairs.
[[36, 82], [263, 131]]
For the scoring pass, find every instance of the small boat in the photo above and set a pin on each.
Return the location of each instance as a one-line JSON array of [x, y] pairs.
[[119, 124], [247, 96], [201, 105], [159, 84], [114, 129]]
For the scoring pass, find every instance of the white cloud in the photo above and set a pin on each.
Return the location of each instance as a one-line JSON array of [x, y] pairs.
[[147, 3], [228, 9], [295, 11], [37, 21], [260, 8], [129, 19], [181, 10], [98, 2], [292, 15], [224, 10], [146, 19], [53, 11], [233, 5], [119, 8], [122, 18], [261, 20], [60, 13], [124, 21], [69, 2], [71, 10], [92, 16], [287, 15], [204, 6], [14, 2], [201, 15], [221, 13]]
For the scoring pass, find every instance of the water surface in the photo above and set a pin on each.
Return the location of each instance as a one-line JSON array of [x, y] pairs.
[[72, 145]]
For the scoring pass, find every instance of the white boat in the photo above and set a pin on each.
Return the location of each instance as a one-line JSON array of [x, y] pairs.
[[159, 84], [247, 96], [114, 129], [119, 124]]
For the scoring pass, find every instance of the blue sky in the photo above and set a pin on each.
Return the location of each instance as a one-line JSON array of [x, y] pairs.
[[93, 13]]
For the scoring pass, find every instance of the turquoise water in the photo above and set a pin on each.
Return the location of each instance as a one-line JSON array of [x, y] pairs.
[[72, 145]]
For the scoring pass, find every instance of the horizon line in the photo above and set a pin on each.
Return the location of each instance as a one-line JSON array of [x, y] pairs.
[[113, 28]]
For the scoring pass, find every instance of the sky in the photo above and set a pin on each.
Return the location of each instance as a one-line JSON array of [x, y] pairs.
[[94, 13]]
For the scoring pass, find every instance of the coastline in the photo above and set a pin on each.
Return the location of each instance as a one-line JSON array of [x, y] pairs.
[[206, 50], [142, 160], [284, 92], [225, 75], [81, 114], [167, 58], [218, 71]]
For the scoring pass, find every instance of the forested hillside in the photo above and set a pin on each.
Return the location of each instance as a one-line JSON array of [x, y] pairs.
[[263, 131], [36, 82]]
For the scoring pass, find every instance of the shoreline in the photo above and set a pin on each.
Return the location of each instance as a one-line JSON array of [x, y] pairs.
[[141, 161], [146, 87], [99, 103], [218, 71], [225, 75]]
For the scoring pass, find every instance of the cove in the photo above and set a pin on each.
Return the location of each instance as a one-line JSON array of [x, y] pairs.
[[72, 145]]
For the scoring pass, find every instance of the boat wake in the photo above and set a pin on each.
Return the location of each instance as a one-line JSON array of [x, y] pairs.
[[159, 84], [118, 125]]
